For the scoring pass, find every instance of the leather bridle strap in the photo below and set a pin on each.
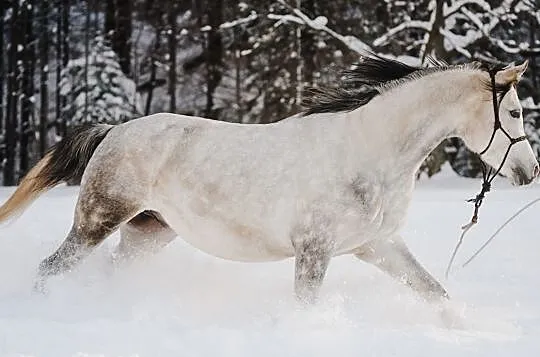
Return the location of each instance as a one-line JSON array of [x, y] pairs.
[[497, 125]]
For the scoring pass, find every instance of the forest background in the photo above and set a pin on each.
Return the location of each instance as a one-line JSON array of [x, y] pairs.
[[64, 63]]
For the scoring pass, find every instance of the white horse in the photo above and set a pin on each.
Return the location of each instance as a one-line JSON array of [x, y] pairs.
[[335, 179]]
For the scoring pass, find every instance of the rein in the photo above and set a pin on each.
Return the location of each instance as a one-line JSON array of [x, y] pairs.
[[488, 174]]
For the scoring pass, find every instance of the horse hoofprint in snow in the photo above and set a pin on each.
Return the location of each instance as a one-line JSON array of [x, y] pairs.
[[336, 179]]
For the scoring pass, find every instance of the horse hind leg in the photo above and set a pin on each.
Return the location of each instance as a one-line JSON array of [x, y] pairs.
[[147, 232], [97, 215]]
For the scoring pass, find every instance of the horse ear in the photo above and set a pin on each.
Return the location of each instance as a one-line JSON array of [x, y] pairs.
[[511, 74]]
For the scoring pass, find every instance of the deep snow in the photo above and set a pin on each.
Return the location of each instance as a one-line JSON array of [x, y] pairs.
[[182, 302]]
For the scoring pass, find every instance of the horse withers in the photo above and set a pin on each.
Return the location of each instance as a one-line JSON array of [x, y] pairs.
[[335, 179]]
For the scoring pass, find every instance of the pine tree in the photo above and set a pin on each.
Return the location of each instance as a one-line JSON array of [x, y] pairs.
[[111, 94]]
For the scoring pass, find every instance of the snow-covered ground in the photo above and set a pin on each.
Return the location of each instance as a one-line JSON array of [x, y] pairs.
[[181, 302]]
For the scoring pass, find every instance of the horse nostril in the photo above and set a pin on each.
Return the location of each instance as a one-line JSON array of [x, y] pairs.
[[536, 170]]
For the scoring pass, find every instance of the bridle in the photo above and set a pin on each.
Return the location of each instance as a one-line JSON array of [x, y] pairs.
[[488, 174]]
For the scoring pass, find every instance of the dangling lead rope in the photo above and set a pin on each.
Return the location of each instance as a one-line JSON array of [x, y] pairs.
[[486, 187], [487, 175], [499, 230]]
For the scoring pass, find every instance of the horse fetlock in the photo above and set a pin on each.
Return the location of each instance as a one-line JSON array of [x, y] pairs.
[[48, 267], [306, 293], [436, 292], [62, 260]]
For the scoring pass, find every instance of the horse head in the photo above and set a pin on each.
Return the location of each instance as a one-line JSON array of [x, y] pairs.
[[495, 130]]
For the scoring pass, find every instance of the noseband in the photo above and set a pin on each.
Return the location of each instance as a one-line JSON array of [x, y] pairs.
[[488, 174]]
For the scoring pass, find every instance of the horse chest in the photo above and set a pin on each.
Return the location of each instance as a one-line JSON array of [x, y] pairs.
[[394, 210], [377, 209]]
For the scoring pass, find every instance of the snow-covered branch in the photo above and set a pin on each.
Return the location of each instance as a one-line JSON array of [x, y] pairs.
[[522, 48], [227, 25], [285, 18], [473, 18], [458, 5], [352, 42], [230, 24], [483, 25], [456, 42], [421, 25], [319, 24]]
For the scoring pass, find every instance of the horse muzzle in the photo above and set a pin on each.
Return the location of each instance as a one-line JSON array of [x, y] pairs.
[[522, 176]]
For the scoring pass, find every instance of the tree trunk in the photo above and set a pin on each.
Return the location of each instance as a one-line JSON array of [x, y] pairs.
[[44, 77], [308, 45], [95, 26], [299, 62], [153, 69], [2, 82], [66, 6], [86, 60], [122, 38], [435, 42], [27, 86], [172, 16], [59, 66], [533, 28], [12, 95], [110, 20], [238, 75], [214, 54], [435, 47]]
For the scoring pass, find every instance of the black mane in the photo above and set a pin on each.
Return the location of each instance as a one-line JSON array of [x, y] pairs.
[[357, 86], [371, 76]]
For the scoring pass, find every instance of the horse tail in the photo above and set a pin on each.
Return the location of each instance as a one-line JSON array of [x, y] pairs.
[[65, 161]]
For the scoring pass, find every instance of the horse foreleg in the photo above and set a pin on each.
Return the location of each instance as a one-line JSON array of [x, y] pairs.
[[394, 258], [311, 261]]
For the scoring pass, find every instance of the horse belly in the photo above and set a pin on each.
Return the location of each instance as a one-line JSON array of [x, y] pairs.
[[229, 239]]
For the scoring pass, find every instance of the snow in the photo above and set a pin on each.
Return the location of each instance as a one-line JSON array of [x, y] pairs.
[[181, 302], [227, 25], [319, 22]]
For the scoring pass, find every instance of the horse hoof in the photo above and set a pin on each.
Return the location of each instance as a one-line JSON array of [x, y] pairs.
[[451, 319], [40, 286]]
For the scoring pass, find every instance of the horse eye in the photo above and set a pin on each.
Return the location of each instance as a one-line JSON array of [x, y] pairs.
[[515, 113]]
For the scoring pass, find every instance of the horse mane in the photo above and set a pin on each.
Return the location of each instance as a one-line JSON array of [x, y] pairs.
[[374, 75]]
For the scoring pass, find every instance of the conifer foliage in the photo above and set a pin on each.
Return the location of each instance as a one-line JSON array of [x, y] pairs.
[[97, 90]]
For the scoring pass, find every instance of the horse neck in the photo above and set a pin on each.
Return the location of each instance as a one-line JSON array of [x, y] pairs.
[[409, 121]]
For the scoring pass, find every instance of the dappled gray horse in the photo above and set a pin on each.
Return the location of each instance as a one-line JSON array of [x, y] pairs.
[[335, 179]]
